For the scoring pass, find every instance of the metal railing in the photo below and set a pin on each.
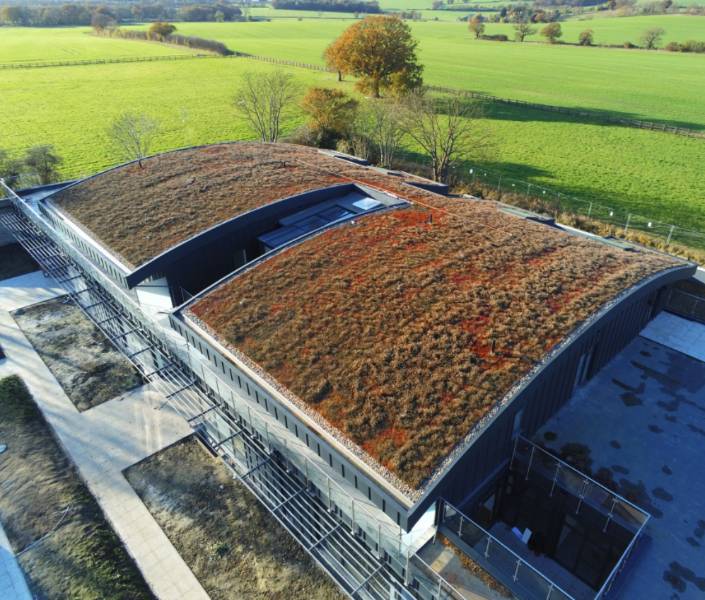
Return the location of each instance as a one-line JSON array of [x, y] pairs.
[[362, 553], [498, 559], [579, 485], [586, 490]]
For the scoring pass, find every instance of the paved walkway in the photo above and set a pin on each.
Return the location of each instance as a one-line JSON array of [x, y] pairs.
[[102, 442], [27, 289], [12, 583], [677, 333]]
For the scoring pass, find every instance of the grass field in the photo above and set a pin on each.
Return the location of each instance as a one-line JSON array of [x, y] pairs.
[[617, 30], [25, 44], [657, 86], [655, 174]]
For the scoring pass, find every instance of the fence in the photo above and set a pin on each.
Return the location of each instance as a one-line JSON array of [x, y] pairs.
[[566, 110], [498, 559], [586, 214], [100, 61]]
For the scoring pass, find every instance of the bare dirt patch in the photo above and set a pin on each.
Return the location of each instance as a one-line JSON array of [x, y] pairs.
[[14, 261], [40, 489], [227, 538], [83, 361]]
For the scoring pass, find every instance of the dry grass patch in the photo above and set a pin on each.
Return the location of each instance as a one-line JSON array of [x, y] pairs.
[[14, 261], [39, 487], [77, 353], [227, 538], [404, 329]]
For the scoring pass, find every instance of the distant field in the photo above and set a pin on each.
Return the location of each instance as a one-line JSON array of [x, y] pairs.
[[21, 44], [660, 86], [617, 30]]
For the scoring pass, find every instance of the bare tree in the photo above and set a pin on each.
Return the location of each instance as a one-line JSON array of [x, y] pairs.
[[133, 135], [264, 99], [523, 29], [444, 129], [382, 123], [652, 37]]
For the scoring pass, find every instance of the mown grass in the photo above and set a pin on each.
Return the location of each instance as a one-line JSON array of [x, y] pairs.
[[30, 44], [659, 86], [82, 558]]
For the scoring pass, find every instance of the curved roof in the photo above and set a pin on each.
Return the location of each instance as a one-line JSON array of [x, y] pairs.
[[404, 329], [139, 212]]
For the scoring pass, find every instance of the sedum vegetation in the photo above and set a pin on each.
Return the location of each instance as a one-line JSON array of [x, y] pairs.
[[405, 329]]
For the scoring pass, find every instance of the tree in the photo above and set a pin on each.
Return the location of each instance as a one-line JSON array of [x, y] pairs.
[[476, 25], [161, 30], [102, 19], [11, 169], [552, 32], [523, 29], [263, 99], [381, 122], [331, 114], [133, 135], [652, 37], [443, 129], [586, 37], [42, 162], [381, 51]]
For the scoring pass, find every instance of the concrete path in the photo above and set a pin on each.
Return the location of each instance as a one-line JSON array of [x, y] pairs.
[[102, 442], [677, 333], [27, 289], [12, 583]]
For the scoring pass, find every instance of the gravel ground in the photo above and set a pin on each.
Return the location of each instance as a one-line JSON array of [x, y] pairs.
[[81, 358], [227, 538]]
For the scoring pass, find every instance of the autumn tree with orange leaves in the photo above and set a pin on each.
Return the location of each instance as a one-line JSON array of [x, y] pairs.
[[381, 52]]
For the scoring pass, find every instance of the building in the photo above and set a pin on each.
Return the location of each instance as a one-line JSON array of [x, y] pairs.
[[354, 340]]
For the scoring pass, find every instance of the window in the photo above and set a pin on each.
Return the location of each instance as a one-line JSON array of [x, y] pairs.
[[342, 470], [330, 460]]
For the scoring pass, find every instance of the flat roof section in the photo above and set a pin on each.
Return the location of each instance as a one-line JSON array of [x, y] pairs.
[[403, 330]]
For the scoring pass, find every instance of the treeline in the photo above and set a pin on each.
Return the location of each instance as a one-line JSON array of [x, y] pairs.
[[354, 6], [173, 38], [53, 15]]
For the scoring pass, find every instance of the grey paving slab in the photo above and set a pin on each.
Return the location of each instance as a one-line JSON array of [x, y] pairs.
[[677, 333], [643, 418], [27, 289], [13, 585]]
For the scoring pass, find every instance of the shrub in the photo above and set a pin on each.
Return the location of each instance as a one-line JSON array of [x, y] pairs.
[[552, 32], [160, 29], [693, 46], [673, 47], [497, 37], [630, 45], [652, 37], [586, 38]]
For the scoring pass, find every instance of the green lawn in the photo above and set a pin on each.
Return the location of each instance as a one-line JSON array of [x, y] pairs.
[[22, 44], [658, 86]]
